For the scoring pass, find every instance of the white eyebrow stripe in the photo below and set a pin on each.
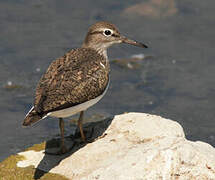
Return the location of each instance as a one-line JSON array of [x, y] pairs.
[[102, 65]]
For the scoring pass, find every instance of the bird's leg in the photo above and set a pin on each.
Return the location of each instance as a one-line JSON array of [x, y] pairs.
[[62, 145], [80, 126]]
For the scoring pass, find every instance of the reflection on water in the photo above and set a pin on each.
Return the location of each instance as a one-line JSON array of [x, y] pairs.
[[176, 81], [153, 8]]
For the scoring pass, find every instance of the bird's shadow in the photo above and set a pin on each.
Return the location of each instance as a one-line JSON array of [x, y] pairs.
[[94, 130]]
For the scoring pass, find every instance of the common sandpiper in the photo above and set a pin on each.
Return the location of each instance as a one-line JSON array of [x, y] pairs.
[[77, 80]]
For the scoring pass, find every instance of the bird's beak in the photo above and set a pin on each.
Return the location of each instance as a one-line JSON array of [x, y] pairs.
[[132, 42]]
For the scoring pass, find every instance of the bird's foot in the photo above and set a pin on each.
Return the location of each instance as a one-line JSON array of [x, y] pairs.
[[63, 150], [86, 137]]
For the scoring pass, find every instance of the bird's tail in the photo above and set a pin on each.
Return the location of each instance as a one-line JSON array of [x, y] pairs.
[[32, 117]]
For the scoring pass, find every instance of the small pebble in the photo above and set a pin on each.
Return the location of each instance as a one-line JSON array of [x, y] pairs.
[[150, 102], [130, 66], [138, 56], [173, 61], [9, 83]]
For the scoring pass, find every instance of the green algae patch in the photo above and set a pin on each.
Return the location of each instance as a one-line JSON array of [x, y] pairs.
[[37, 147], [10, 171], [10, 162], [13, 87], [53, 143]]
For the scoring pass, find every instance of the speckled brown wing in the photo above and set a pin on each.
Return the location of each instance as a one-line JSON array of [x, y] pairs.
[[80, 75]]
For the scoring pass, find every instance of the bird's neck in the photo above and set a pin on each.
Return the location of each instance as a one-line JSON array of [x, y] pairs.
[[103, 52], [99, 48]]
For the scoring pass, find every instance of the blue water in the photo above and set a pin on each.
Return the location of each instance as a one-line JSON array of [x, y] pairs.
[[176, 83]]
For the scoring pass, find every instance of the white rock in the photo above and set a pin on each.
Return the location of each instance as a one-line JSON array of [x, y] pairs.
[[32, 158], [135, 146]]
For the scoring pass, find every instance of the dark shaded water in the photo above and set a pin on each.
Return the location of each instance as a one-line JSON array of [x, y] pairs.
[[177, 83]]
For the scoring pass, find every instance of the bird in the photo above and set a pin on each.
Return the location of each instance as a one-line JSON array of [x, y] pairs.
[[77, 80]]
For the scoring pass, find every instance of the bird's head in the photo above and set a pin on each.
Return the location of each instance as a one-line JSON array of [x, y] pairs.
[[102, 35]]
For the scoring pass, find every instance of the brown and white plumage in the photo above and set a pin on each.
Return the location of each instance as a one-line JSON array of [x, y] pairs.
[[77, 80], [79, 76]]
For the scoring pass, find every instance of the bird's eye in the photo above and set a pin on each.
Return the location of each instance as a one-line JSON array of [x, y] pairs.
[[107, 32]]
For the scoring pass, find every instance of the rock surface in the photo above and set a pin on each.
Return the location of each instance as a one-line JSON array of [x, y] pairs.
[[134, 146]]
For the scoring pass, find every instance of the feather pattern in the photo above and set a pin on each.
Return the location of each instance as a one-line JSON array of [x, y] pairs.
[[73, 79]]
